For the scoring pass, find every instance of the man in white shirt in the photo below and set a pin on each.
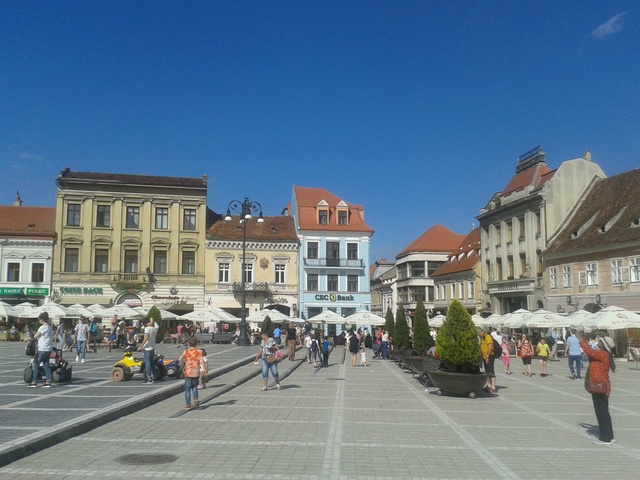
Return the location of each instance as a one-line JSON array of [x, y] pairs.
[[148, 347], [307, 343]]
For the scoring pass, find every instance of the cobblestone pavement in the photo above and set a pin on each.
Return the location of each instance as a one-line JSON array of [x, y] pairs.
[[29, 417], [342, 422]]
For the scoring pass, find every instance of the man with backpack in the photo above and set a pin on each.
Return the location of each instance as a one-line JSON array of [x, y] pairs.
[[489, 352]]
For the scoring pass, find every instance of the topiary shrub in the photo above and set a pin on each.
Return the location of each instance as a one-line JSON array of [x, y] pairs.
[[390, 323], [401, 337], [422, 340], [162, 325], [457, 341]]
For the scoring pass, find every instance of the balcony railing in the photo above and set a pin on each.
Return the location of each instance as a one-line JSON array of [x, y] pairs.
[[334, 262], [251, 287], [130, 278]]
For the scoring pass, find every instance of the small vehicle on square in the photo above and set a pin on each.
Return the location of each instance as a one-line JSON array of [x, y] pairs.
[[126, 368], [60, 369]]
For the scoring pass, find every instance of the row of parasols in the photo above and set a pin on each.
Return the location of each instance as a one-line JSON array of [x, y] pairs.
[[608, 318], [207, 315]]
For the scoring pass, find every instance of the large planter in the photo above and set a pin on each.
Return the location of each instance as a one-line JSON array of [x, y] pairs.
[[458, 383]]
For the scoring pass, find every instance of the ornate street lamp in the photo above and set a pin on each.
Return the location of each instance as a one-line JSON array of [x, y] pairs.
[[245, 208]]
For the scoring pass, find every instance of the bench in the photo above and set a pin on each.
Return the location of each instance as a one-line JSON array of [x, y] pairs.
[[203, 337], [222, 337], [419, 366]]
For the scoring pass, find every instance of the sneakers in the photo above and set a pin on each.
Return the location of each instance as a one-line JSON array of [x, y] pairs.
[[82, 361], [196, 402], [278, 386], [46, 385], [77, 358], [600, 442], [187, 408], [573, 376], [32, 385], [148, 382], [264, 389]]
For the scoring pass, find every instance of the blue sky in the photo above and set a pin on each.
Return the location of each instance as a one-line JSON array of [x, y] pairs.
[[416, 110]]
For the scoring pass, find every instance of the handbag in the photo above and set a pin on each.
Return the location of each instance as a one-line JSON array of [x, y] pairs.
[[597, 388], [271, 359], [30, 349]]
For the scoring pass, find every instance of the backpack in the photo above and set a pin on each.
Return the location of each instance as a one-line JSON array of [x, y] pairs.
[[497, 348], [314, 346]]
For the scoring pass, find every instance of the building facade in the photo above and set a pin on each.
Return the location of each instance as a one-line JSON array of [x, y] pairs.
[[133, 239], [460, 277], [416, 264], [380, 287], [271, 265], [516, 223], [26, 249], [334, 254], [594, 259]]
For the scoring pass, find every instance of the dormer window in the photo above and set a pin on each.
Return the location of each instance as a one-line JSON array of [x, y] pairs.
[[322, 212], [343, 213]]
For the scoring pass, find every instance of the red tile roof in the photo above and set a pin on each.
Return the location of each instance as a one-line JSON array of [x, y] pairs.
[[528, 177], [27, 222], [435, 239], [274, 229], [469, 248], [308, 198], [609, 215]]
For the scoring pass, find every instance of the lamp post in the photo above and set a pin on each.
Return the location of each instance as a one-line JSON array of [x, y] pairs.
[[245, 208]]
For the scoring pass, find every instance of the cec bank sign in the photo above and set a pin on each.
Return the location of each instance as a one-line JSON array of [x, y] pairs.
[[334, 297]]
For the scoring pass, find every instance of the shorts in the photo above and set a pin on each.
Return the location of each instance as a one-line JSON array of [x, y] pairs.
[[526, 360]]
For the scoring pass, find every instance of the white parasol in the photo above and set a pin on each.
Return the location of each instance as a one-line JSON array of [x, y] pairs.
[[328, 316], [366, 318], [612, 318]]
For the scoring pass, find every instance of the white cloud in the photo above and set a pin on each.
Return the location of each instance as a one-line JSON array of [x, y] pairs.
[[30, 157], [611, 26]]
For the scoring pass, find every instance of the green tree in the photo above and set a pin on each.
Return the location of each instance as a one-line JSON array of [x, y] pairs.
[[390, 323], [422, 340], [267, 326], [162, 326], [401, 337], [457, 340]]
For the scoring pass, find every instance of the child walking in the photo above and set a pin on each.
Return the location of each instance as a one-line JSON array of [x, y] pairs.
[[191, 364], [363, 356], [204, 369]]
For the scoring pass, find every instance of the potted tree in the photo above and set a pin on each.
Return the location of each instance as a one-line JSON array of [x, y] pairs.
[[459, 350]]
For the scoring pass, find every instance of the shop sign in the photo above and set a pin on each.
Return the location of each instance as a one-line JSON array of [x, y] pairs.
[[334, 297], [38, 292], [81, 291], [11, 291]]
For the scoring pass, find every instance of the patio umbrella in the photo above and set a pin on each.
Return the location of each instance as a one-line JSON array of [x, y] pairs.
[[366, 318], [577, 318], [122, 311], [328, 316], [297, 320], [222, 315], [613, 318], [545, 319], [7, 310], [437, 321], [478, 320], [96, 309], [77, 310], [205, 316], [494, 320], [274, 315], [53, 309], [516, 319]]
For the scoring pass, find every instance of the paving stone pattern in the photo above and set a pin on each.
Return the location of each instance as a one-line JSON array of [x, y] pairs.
[[342, 422]]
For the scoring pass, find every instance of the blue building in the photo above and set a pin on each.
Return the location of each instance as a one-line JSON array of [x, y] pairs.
[[334, 255]]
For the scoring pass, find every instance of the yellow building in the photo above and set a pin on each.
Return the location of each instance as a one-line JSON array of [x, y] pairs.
[[132, 239], [271, 265]]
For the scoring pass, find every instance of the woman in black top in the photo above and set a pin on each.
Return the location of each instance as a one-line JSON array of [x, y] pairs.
[[291, 341]]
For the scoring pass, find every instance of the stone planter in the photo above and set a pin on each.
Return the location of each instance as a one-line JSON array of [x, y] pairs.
[[458, 383]]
